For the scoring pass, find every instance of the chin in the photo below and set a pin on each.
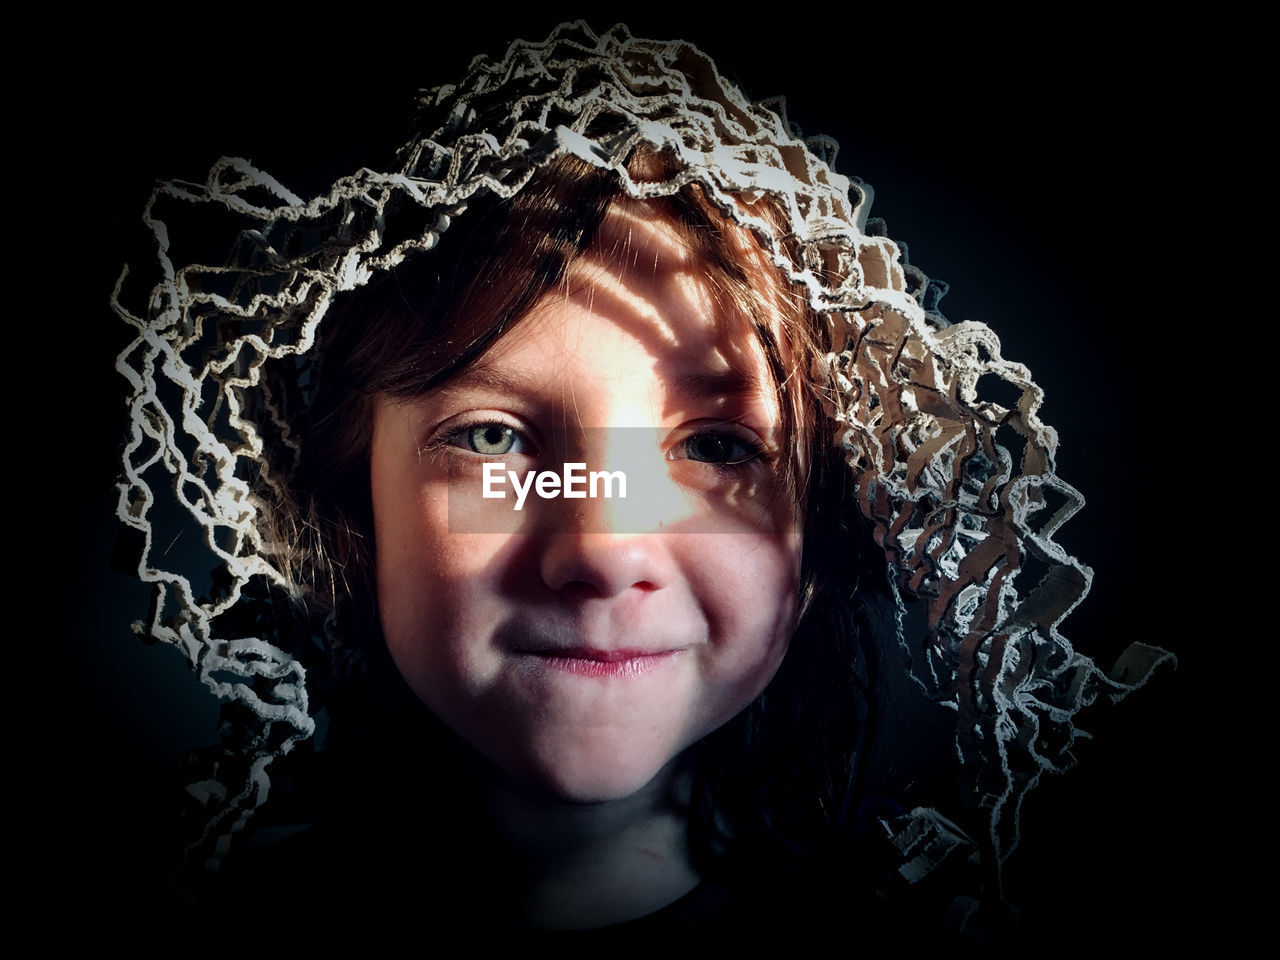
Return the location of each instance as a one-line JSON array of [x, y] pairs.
[[590, 776]]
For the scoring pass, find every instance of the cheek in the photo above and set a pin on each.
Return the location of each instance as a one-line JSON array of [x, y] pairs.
[[405, 550], [431, 589], [748, 593]]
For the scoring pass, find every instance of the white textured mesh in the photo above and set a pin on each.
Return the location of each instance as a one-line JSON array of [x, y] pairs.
[[962, 491]]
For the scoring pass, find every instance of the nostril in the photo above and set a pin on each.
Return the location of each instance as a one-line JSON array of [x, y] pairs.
[[576, 590], [587, 566], [585, 590]]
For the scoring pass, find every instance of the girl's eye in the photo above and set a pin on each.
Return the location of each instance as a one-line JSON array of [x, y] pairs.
[[716, 447], [490, 439]]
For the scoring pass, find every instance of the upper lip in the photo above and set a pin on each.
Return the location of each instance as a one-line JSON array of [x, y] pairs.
[[598, 654], [602, 641]]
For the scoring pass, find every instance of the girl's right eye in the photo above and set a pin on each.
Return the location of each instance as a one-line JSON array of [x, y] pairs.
[[490, 439]]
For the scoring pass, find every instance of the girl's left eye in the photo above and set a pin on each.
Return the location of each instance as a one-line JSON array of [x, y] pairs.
[[490, 439], [721, 447]]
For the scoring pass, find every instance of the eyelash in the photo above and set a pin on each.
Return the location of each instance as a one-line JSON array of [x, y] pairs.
[[746, 449], [462, 437], [752, 449]]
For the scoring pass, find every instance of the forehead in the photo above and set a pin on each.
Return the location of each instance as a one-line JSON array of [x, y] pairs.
[[644, 276]]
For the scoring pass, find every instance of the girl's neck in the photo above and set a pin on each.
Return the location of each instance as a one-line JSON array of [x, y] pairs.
[[543, 863], [591, 865]]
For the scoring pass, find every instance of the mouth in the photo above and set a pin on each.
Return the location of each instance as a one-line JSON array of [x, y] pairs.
[[592, 662]]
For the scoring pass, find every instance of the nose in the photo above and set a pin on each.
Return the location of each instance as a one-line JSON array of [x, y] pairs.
[[604, 545], [603, 565]]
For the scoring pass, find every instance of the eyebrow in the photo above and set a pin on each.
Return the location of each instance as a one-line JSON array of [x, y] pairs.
[[704, 385], [710, 385], [481, 375]]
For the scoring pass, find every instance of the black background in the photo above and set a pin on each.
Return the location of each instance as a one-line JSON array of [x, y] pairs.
[[1046, 173]]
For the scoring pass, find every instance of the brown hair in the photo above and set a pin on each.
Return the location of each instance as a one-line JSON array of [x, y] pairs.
[[415, 327]]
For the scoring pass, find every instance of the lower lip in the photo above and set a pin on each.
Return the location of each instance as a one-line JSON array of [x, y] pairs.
[[624, 665]]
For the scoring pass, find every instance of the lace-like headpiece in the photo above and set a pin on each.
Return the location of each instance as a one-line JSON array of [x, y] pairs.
[[961, 491]]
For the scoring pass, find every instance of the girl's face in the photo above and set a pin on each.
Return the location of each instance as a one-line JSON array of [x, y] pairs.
[[590, 641]]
